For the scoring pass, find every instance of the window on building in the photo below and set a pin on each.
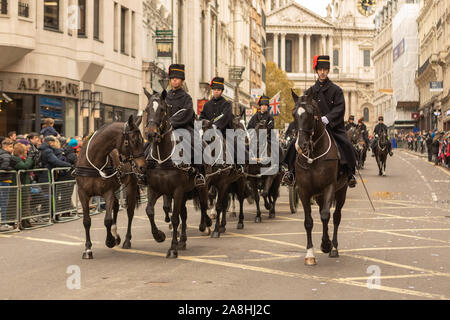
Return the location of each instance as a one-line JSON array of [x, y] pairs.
[[97, 19], [116, 27], [3, 6], [366, 114], [366, 58], [335, 57], [24, 9], [263, 73], [288, 66], [123, 32], [51, 14], [82, 17], [133, 34]]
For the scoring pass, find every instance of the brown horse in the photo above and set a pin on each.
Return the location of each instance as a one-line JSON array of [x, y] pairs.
[[316, 173], [95, 158], [381, 152]]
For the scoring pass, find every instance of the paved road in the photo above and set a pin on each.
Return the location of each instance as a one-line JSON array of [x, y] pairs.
[[401, 251]]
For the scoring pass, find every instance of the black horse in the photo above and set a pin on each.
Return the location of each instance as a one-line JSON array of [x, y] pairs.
[[356, 137], [261, 176], [103, 153], [381, 151], [166, 178], [317, 174]]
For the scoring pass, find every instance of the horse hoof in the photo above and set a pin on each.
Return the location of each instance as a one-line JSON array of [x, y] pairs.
[[215, 234], [326, 246], [118, 240], [271, 215], [222, 229], [334, 254], [167, 219], [159, 236], [110, 242], [181, 245], [87, 255], [126, 245], [201, 228], [310, 261], [240, 226], [257, 219], [172, 254]]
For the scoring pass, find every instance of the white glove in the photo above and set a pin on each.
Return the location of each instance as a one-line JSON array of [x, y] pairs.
[[325, 120]]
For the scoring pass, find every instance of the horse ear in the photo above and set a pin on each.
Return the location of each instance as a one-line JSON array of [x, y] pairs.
[[130, 121], [164, 94], [309, 96], [294, 95], [139, 118], [147, 94]]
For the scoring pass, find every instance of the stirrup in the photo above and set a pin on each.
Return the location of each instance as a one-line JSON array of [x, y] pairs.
[[199, 180], [288, 178], [351, 181]]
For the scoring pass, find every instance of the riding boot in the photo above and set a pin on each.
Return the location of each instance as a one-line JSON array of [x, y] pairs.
[[351, 178], [200, 179]]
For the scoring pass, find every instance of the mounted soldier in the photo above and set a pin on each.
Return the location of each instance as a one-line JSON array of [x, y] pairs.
[[181, 113], [218, 111], [330, 100], [351, 123], [364, 131], [380, 127], [262, 114]]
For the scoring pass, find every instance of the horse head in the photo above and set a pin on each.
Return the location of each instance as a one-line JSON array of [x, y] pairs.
[[382, 138], [132, 144], [307, 121], [157, 116]]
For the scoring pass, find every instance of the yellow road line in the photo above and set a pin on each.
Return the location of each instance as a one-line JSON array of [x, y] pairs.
[[292, 274]]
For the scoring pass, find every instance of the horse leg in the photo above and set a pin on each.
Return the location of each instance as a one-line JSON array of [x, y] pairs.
[[183, 237], [265, 193], [132, 190], [310, 259], [178, 203], [116, 208], [220, 207], [110, 200], [152, 196], [205, 220], [325, 205], [223, 223], [340, 200], [241, 197], [84, 199], [167, 207], [256, 197]]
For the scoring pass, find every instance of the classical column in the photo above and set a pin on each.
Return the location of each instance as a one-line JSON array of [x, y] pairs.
[[344, 54], [283, 51], [330, 46], [347, 104], [275, 48], [300, 53], [208, 47], [323, 47], [308, 53], [269, 6], [354, 102]]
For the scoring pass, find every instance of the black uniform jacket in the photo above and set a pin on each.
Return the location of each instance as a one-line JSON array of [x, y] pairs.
[[216, 107], [349, 125], [259, 116], [330, 99], [380, 128], [180, 108]]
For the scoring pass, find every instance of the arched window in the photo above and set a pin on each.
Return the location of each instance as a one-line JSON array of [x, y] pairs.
[[366, 114]]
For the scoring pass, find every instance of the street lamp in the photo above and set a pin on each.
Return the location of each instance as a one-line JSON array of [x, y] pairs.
[[85, 100], [97, 99], [235, 76], [164, 82]]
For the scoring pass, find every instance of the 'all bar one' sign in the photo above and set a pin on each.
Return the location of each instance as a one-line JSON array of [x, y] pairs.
[[436, 86]]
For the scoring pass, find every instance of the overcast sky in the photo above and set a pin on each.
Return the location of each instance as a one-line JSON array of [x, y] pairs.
[[318, 6]]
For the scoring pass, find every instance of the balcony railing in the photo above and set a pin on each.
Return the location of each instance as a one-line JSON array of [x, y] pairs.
[[3, 7], [23, 9]]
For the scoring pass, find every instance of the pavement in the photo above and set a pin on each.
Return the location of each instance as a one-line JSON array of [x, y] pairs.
[[399, 251]]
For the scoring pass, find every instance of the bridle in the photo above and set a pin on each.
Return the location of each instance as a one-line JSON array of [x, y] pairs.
[[311, 142]]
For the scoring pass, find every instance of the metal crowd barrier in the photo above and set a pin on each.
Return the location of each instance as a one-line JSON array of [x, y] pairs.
[[63, 189], [44, 198], [9, 208], [35, 197]]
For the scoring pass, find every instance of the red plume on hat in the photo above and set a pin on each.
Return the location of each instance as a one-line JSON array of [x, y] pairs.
[[315, 62]]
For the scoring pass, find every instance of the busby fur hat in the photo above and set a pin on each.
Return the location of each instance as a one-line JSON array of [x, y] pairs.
[[321, 62], [351, 117], [176, 71], [380, 118], [263, 100], [217, 83]]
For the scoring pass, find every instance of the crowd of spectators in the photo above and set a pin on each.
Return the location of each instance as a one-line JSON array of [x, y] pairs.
[[436, 144], [47, 149]]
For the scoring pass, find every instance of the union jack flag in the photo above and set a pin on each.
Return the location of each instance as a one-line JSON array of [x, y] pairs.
[[275, 104]]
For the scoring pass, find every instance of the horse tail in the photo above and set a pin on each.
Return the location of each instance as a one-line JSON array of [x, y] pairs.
[[196, 200]]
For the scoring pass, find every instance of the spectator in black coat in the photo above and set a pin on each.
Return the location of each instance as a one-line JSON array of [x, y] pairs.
[[34, 153], [429, 142], [6, 180], [47, 128], [49, 154], [435, 148]]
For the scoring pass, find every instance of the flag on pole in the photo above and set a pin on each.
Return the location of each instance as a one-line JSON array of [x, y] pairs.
[[274, 104]]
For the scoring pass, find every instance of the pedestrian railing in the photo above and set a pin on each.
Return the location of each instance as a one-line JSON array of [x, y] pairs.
[[63, 188], [9, 195], [39, 197]]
